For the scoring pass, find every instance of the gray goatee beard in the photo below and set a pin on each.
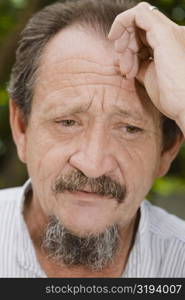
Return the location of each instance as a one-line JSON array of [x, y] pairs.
[[93, 252]]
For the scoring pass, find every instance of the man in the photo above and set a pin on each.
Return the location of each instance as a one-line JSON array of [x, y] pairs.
[[96, 118]]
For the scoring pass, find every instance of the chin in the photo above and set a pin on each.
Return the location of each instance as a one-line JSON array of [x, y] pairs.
[[86, 224], [83, 229], [92, 247]]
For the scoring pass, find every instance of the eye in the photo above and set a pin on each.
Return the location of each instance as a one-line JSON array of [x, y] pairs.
[[68, 123], [133, 129], [129, 132]]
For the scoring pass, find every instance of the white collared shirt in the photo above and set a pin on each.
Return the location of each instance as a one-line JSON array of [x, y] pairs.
[[158, 251]]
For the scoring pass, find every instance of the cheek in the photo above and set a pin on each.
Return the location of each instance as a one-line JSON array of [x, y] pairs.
[[139, 165], [46, 160]]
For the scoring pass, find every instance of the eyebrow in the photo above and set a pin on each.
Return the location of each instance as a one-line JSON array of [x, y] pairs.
[[78, 108], [69, 110], [83, 108], [128, 113]]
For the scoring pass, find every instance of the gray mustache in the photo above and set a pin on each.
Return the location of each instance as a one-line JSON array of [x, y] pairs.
[[103, 186]]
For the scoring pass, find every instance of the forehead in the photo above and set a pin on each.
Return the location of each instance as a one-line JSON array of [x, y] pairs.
[[75, 61], [74, 51], [75, 41]]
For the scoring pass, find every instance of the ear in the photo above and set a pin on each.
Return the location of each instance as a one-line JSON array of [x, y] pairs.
[[167, 156], [18, 128]]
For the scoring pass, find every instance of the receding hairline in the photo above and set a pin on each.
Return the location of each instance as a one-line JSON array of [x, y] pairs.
[[87, 30], [96, 15]]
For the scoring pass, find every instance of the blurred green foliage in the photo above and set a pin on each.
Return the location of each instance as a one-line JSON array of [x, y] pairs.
[[13, 16]]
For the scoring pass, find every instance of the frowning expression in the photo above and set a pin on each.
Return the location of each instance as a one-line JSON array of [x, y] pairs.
[[86, 117]]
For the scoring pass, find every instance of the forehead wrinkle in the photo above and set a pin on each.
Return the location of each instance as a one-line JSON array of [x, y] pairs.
[[119, 91], [94, 93], [127, 113], [72, 108], [97, 67], [73, 86], [77, 58], [103, 102], [73, 69], [69, 82], [93, 72], [88, 91]]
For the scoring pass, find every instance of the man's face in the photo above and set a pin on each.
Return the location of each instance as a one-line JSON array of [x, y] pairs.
[[86, 117]]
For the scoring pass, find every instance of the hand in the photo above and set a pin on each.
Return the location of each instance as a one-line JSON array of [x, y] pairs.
[[151, 47]]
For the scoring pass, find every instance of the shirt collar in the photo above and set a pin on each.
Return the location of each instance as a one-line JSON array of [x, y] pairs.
[[26, 255], [136, 261]]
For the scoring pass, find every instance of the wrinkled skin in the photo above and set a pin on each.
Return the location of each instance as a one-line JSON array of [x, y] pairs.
[[87, 116]]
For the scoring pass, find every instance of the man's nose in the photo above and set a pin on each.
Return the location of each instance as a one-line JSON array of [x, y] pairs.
[[94, 157]]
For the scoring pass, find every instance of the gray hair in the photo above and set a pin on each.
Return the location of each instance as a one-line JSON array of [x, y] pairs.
[[91, 251], [95, 14], [43, 26]]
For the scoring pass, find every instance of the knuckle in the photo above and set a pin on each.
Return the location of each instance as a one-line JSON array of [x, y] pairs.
[[143, 4], [119, 17]]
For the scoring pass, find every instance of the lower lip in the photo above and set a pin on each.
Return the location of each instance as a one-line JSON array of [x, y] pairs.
[[83, 199], [86, 195]]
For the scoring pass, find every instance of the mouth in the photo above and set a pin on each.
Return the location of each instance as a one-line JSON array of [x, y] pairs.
[[86, 196], [86, 193]]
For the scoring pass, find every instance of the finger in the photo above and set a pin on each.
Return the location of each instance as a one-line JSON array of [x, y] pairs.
[[128, 40], [134, 43], [148, 78], [118, 27], [122, 43], [126, 60], [142, 72], [139, 16], [135, 67]]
